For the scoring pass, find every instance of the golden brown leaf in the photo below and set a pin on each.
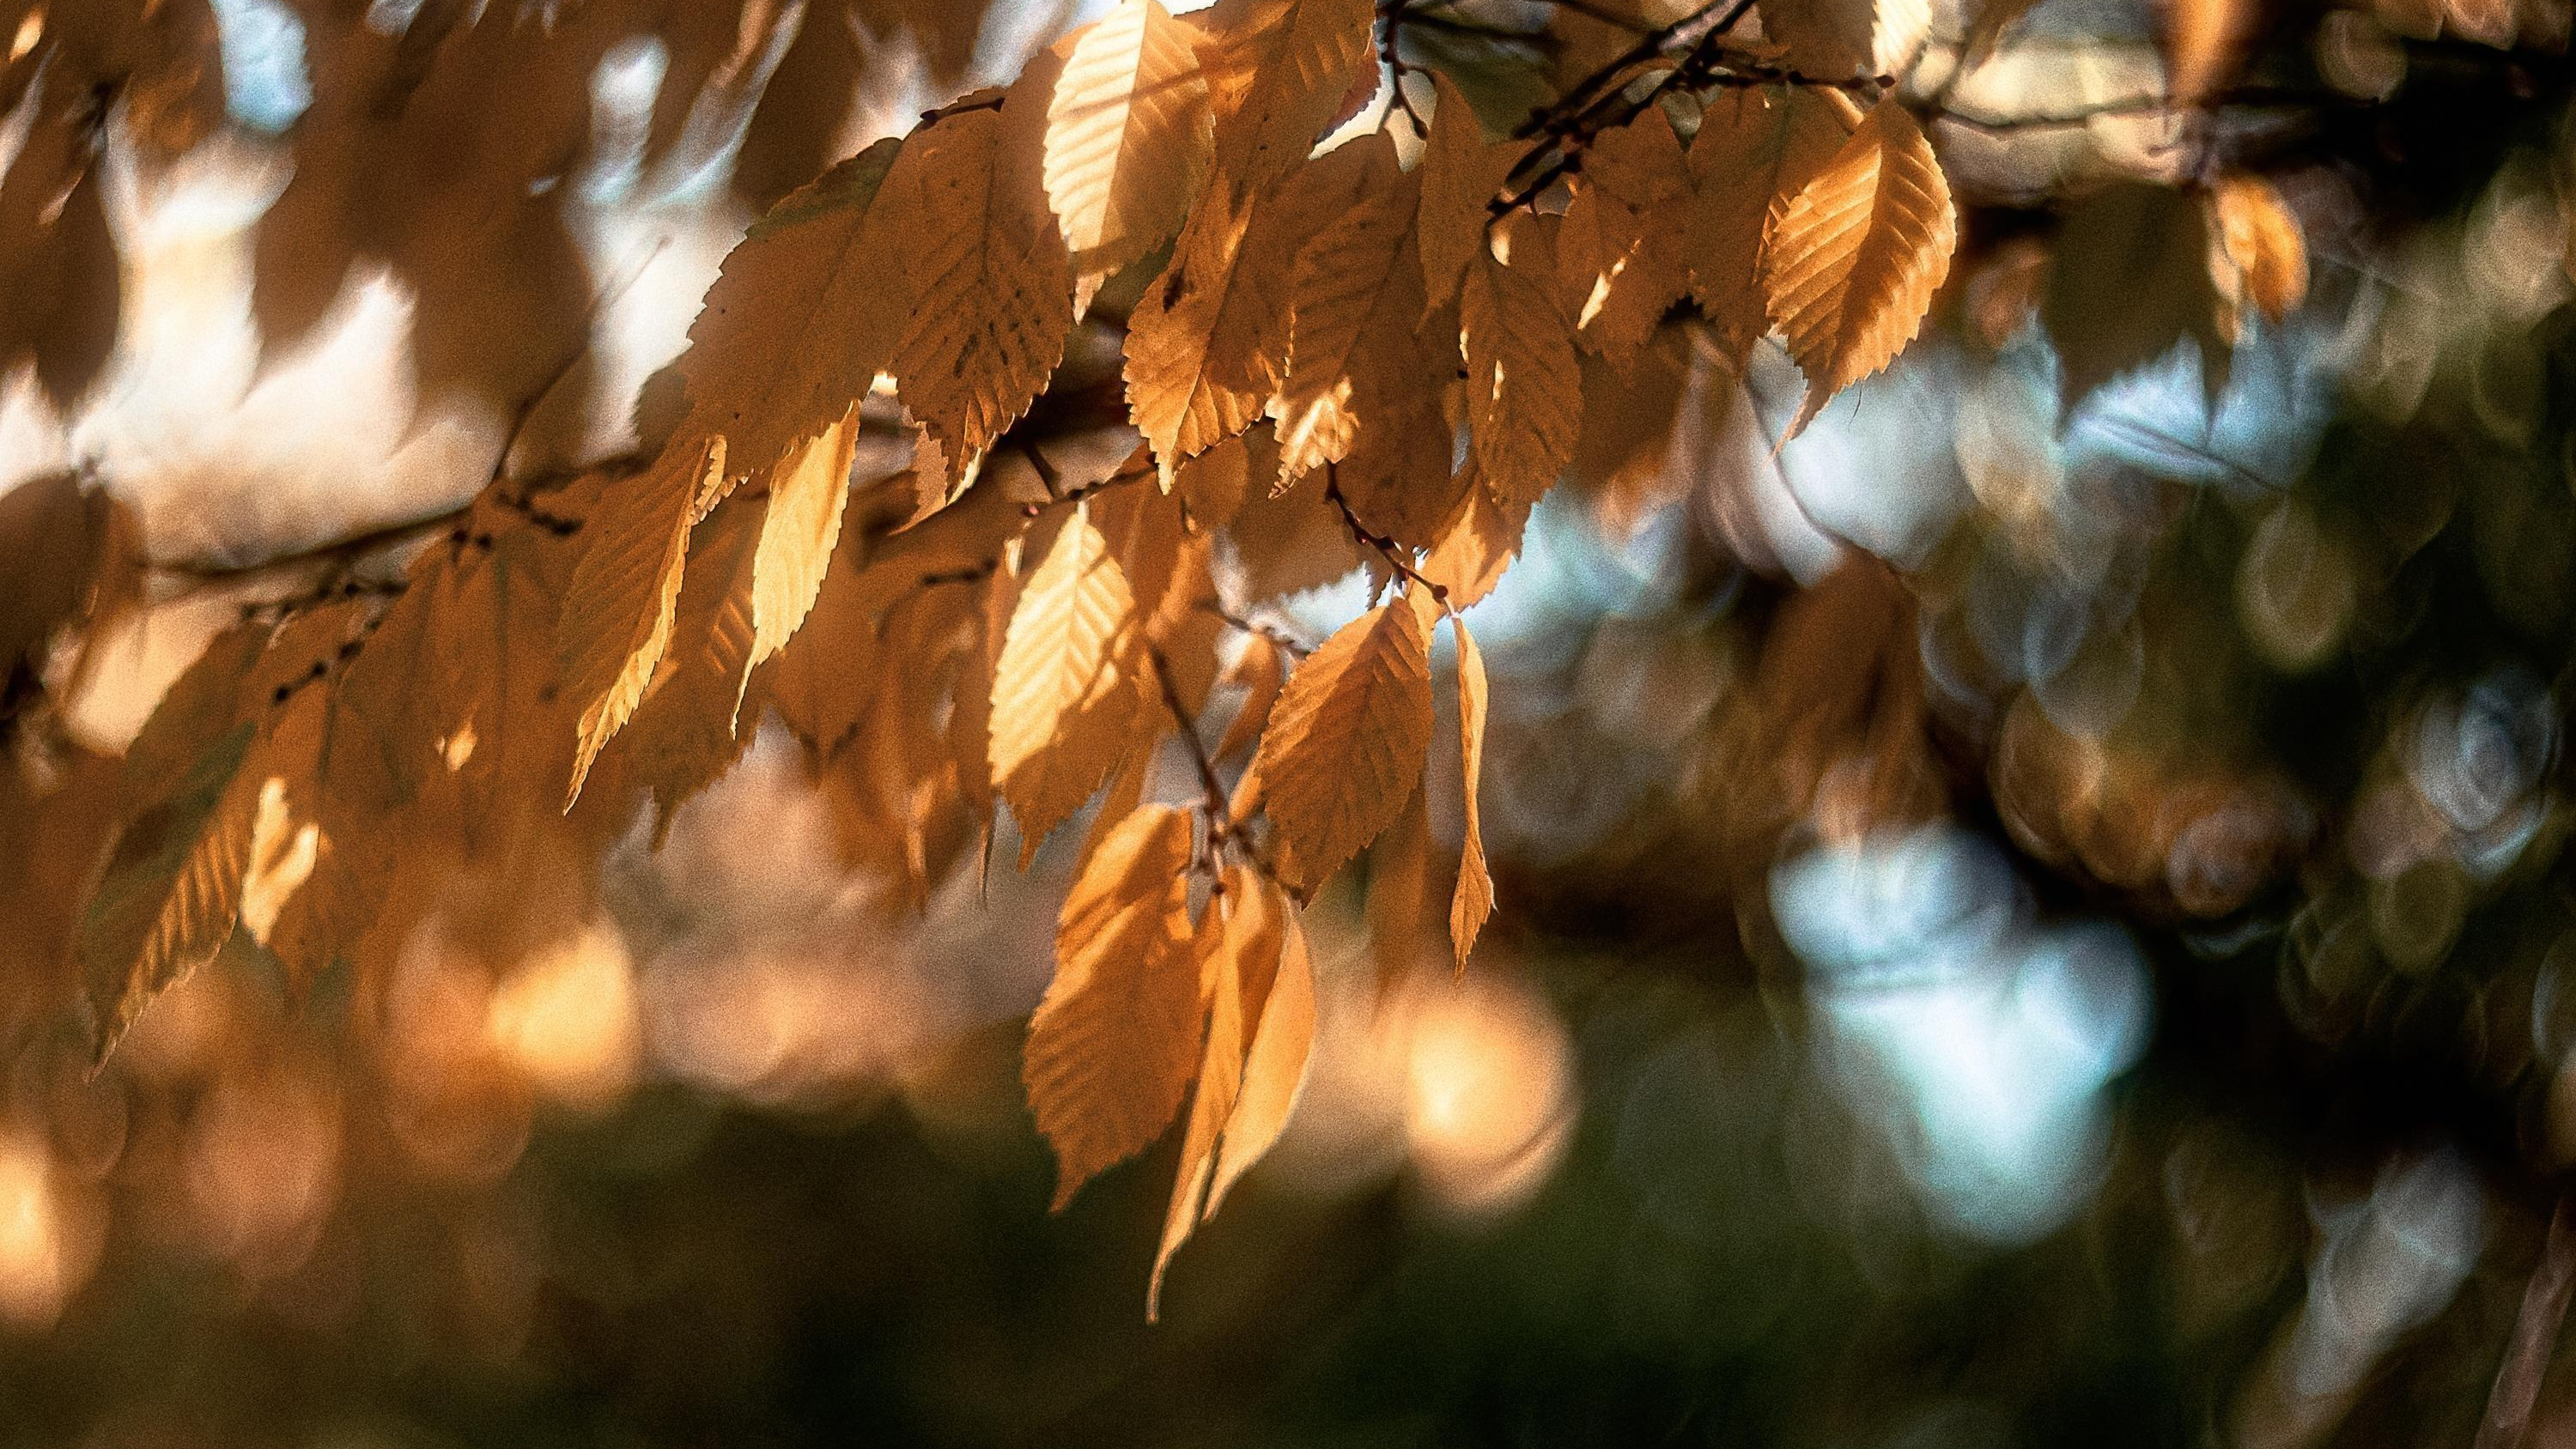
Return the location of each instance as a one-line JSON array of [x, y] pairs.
[[1347, 365], [1282, 72], [1260, 669], [967, 225], [1274, 1068], [798, 532], [172, 888], [1347, 739], [616, 619], [1112, 1046], [1850, 269], [1063, 701], [1624, 261], [790, 338], [1460, 175], [1476, 542], [1837, 39], [1240, 943], [1757, 147], [1474, 900], [1206, 345], [1524, 382], [1128, 134]]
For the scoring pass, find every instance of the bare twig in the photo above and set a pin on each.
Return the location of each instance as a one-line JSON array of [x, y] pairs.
[[1388, 548]]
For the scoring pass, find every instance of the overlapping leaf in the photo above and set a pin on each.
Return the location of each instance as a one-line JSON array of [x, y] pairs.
[[1112, 1047], [1346, 741], [1851, 266], [1063, 698], [1128, 135]]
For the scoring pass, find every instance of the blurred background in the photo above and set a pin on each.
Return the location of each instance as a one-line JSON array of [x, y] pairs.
[[2034, 914]]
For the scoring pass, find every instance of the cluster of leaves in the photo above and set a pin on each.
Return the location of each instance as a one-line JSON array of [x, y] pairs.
[[1198, 312]]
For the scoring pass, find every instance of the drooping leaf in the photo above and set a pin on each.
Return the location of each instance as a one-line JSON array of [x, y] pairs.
[[790, 338], [1624, 261], [617, 616], [798, 531], [1274, 1069], [1838, 39], [1063, 697], [1524, 382], [1476, 542], [1112, 1047], [1460, 173], [1348, 365], [1260, 669], [1206, 346], [169, 898], [1280, 74], [1474, 900], [1850, 269], [1128, 135], [1240, 943], [1757, 147], [966, 223], [1346, 741]]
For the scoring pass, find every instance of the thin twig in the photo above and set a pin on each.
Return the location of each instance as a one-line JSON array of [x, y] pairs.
[[1387, 546], [1287, 643], [1390, 23], [1209, 784]]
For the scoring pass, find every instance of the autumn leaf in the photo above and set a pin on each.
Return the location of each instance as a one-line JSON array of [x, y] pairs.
[[617, 616], [1837, 39], [1128, 135], [1346, 365], [1850, 268], [1474, 899], [1206, 346], [1281, 71], [1274, 1068], [1460, 173], [1112, 1047], [1062, 697], [791, 336], [1524, 382], [1346, 741], [172, 888], [1260, 669], [1623, 260], [1239, 943], [966, 224], [1757, 147], [1476, 542], [797, 533]]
